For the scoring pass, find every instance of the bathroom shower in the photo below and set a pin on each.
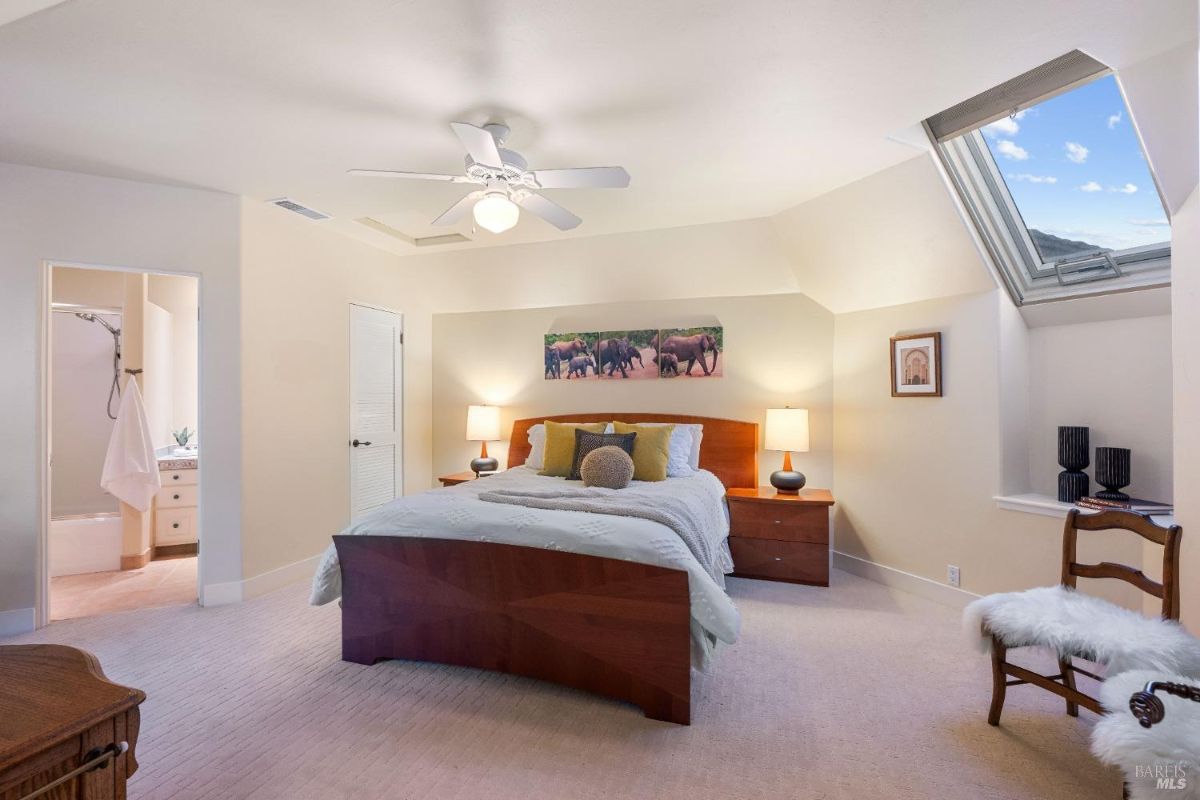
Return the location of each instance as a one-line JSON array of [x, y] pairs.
[[115, 389]]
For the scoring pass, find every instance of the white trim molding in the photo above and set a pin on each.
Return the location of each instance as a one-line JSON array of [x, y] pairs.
[[220, 594], [1042, 504], [17, 621], [905, 581]]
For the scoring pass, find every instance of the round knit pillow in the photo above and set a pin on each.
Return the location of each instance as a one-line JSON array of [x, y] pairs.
[[608, 466]]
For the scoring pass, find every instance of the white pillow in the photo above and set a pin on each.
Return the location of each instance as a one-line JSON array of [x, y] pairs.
[[684, 442], [537, 443], [694, 458]]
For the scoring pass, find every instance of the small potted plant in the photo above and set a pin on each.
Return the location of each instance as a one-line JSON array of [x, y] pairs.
[[182, 437]]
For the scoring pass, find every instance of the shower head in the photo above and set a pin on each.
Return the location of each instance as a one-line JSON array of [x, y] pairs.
[[94, 318]]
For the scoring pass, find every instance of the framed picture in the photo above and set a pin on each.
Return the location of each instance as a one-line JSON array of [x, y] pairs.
[[690, 352], [917, 365], [627, 354], [570, 356]]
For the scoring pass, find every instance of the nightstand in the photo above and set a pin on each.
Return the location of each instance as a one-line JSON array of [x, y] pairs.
[[780, 537], [457, 478]]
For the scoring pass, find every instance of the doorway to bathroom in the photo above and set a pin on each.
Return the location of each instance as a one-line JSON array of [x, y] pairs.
[[122, 440]]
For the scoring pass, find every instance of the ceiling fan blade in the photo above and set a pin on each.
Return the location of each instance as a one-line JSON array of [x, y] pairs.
[[459, 210], [548, 210], [479, 144], [420, 176], [582, 178]]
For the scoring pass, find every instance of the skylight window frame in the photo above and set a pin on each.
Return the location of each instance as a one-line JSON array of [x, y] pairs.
[[1029, 279]]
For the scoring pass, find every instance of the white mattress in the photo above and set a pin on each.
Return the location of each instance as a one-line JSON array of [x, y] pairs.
[[457, 513]]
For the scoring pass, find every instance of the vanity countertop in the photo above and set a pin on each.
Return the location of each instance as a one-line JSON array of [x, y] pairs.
[[177, 462]]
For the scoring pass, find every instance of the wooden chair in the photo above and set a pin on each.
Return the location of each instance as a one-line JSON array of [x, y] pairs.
[[1063, 684]]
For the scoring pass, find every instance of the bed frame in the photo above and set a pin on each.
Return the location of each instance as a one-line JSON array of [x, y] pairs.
[[612, 627]]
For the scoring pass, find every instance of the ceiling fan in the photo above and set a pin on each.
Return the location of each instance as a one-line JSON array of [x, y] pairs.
[[508, 184]]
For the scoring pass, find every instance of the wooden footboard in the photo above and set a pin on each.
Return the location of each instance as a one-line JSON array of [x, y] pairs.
[[607, 626]]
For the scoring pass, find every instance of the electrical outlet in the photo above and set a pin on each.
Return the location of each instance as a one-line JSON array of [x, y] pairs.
[[952, 576]]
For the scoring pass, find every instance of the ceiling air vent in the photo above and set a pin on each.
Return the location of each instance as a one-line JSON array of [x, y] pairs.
[[423, 241], [292, 205]]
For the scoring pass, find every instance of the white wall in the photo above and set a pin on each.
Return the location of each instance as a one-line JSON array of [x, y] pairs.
[[1114, 377], [778, 351], [298, 280], [81, 377], [67, 217], [1185, 329]]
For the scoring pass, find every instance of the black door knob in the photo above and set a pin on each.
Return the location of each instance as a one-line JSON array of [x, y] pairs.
[[357, 443]]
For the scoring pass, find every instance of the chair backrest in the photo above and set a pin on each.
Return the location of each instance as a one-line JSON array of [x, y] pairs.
[[1167, 591]]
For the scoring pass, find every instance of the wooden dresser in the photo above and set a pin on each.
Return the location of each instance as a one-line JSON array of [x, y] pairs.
[[780, 537], [59, 713]]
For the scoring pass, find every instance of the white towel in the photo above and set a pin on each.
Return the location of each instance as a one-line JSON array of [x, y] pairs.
[[130, 467]]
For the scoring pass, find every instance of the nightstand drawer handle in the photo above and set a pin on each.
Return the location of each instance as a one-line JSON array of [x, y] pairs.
[[779, 558], [778, 522]]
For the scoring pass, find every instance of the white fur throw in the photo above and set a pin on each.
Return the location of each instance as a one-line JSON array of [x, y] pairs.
[[1161, 762], [1074, 624]]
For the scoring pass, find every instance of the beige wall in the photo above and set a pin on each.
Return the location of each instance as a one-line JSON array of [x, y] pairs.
[[298, 281], [181, 297], [778, 351], [915, 477]]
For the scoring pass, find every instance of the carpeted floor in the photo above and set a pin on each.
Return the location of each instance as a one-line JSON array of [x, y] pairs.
[[855, 691]]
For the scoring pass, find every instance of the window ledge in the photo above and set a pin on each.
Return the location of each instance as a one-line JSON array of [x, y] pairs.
[[1042, 504], [1047, 506]]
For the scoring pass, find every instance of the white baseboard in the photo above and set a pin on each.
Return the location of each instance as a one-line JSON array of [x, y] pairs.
[[905, 581], [19, 620], [219, 594], [271, 580]]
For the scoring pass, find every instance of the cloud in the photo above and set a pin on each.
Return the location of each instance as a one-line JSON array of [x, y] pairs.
[[1076, 152], [1128, 188], [1151, 223], [1011, 150], [1114, 120], [1025, 176], [1005, 126], [1091, 186]]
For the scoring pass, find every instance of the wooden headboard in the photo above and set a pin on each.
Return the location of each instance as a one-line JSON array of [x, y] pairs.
[[729, 449]]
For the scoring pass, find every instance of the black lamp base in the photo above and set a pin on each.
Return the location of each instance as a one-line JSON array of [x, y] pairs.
[[788, 481], [479, 465]]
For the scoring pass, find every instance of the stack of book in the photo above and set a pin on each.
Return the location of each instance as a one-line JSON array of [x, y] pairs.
[[1149, 508]]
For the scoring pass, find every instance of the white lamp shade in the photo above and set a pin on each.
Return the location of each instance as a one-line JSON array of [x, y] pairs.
[[787, 429], [483, 423], [496, 213]]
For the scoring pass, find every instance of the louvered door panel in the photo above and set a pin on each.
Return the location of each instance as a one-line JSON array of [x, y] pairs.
[[375, 408]]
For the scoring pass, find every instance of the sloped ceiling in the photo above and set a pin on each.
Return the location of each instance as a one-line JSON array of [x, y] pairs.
[[720, 109]]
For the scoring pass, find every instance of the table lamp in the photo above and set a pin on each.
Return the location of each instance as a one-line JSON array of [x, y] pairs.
[[483, 425], [787, 430]]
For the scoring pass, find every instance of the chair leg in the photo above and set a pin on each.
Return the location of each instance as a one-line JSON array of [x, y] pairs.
[[999, 680], [1068, 679]]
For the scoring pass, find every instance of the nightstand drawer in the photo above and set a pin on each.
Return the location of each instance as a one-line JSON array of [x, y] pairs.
[[796, 562], [779, 521]]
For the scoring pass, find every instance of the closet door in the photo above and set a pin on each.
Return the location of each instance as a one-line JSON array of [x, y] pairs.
[[376, 402]]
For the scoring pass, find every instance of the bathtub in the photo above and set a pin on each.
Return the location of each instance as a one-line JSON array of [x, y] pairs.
[[85, 543]]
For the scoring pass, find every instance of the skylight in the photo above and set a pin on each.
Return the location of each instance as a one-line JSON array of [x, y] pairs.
[[1059, 187]]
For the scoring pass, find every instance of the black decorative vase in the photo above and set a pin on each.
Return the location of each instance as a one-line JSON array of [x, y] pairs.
[[1112, 472], [1073, 449]]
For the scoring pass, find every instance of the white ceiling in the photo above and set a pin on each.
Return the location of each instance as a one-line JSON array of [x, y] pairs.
[[720, 109]]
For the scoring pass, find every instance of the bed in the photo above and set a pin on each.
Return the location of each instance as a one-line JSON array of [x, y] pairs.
[[609, 605]]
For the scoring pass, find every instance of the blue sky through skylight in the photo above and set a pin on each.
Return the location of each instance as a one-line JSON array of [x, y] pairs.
[[1075, 169]]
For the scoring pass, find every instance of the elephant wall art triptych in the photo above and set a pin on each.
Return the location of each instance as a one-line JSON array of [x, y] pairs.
[[635, 354]]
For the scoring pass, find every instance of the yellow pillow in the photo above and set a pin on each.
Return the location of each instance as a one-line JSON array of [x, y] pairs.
[[651, 449], [560, 446]]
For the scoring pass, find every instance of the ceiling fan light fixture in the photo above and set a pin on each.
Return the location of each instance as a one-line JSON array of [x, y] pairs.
[[495, 212]]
